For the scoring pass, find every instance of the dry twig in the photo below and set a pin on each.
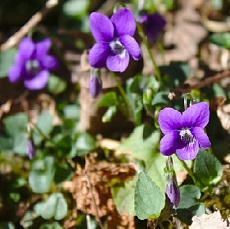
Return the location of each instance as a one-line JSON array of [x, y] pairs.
[[177, 92], [36, 18]]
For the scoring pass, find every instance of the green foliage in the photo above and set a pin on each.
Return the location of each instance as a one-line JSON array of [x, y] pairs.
[[85, 143], [189, 203], [51, 226], [123, 197], [149, 200], [63, 172], [55, 207], [6, 61], [44, 127], [207, 170], [14, 137], [109, 99], [221, 39], [42, 174], [55, 84], [142, 143], [76, 8]]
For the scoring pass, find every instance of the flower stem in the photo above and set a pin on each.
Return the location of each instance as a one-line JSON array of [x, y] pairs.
[[43, 135], [121, 90], [187, 169], [157, 71]]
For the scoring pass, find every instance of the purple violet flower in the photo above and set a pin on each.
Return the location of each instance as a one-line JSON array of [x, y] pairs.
[[153, 24], [184, 132], [173, 193], [30, 148], [32, 63], [95, 85], [115, 42]]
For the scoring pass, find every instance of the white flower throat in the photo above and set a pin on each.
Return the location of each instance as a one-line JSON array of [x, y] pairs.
[[117, 48], [32, 66], [186, 136]]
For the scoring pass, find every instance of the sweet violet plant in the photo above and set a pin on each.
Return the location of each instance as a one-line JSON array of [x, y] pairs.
[[184, 132], [33, 63], [115, 42]]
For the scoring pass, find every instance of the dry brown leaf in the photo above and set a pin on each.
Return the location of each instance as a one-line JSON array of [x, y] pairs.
[[91, 190], [223, 113], [213, 221]]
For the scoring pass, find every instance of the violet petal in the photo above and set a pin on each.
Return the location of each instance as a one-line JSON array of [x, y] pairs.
[[196, 115], [42, 47], [98, 55], [170, 142], [116, 63], [48, 62], [201, 137], [169, 119], [37, 82], [124, 22], [189, 152], [15, 73], [26, 48], [101, 27], [131, 46]]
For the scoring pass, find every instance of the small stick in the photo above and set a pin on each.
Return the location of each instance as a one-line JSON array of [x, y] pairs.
[[177, 92], [36, 18], [91, 191]]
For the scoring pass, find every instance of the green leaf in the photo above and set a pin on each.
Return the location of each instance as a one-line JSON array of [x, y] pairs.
[[72, 111], [41, 175], [175, 73], [109, 99], [207, 170], [108, 115], [56, 85], [85, 144], [149, 200], [15, 124], [63, 172], [55, 206], [44, 123], [160, 98], [6, 143], [7, 225], [189, 196], [75, 8], [123, 198], [155, 168], [221, 39], [20, 144], [6, 61], [54, 225], [142, 142], [186, 214]]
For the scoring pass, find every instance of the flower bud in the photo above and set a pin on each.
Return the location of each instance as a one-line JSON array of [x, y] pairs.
[[173, 193], [30, 148], [95, 84], [153, 25]]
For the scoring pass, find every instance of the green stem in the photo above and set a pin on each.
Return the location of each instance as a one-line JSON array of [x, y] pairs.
[[121, 91], [204, 197], [157, 71], [188, 170], [42, 134]]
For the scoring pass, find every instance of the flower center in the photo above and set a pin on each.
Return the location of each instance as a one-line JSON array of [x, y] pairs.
[[186, 136], [33, 67], [117, 48]]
